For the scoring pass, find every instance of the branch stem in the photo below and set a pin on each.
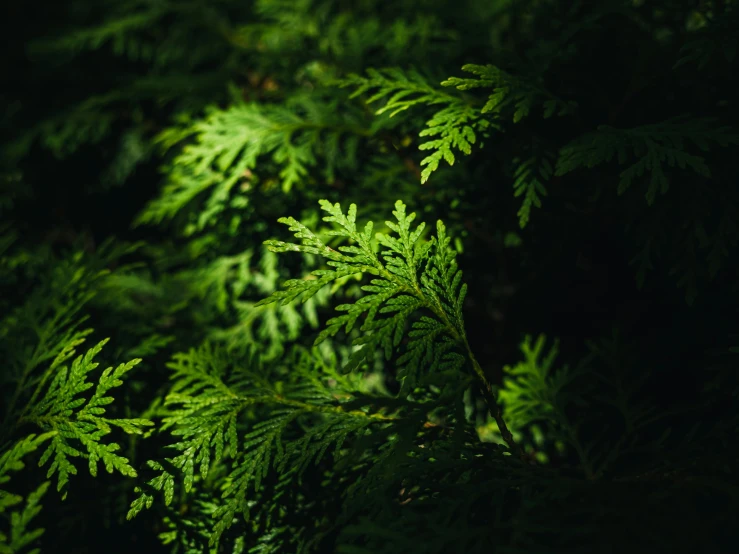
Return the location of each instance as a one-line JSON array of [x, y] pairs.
[[492, 401]]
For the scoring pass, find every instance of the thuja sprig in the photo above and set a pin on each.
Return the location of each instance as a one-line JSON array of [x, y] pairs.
[[409, 274]]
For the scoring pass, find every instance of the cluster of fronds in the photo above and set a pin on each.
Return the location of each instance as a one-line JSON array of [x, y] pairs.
[[209, 402], [653, 147], [45, 389], [229, 144], [456, 125], [282, 427]]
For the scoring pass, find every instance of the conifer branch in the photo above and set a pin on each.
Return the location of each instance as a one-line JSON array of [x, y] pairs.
[[413, 275]]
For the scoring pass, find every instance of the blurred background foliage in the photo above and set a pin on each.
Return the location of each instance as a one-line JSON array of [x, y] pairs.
[[582, 157]]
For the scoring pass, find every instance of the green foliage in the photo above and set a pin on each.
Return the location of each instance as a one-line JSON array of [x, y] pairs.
[[528, 183], [57, 411], [510, 92], [47, 392], [20, 536], [229, 143], [652, 145], [83, 124], [12, 460], [205, 409], [417, 415], [409, 275], [133, 150], [456, 125], [400, 89], [717, 37], [531, 390], [271, 325]]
